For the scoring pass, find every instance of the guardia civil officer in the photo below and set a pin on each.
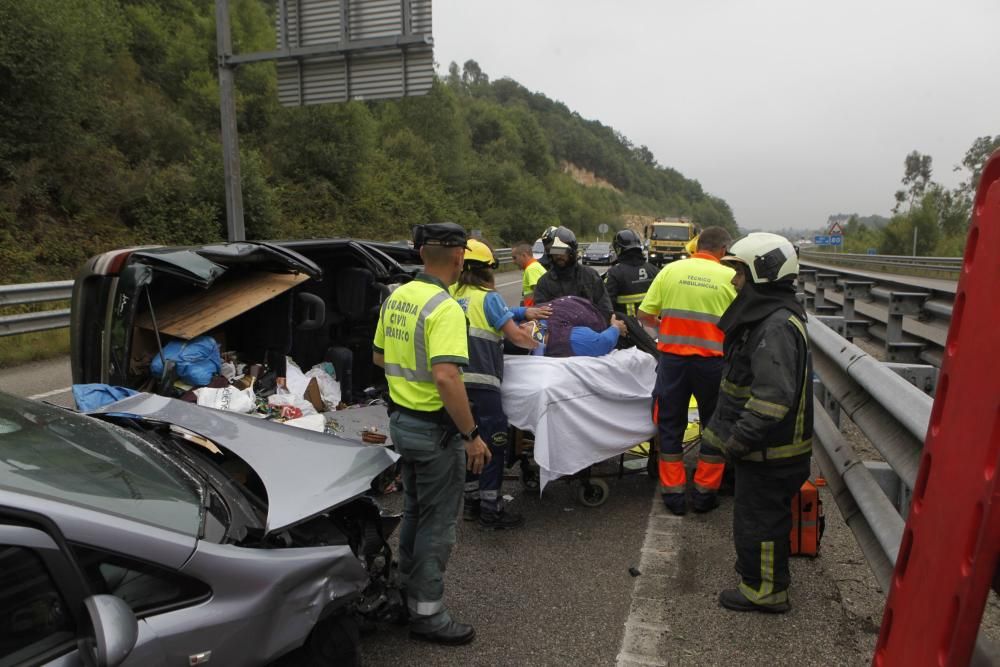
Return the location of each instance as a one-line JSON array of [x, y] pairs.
[[490, 322], [764, 419], [629, 279], [685, 302], [421, 343]]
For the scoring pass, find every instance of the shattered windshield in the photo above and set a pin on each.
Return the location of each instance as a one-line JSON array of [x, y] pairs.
[[49, 452]]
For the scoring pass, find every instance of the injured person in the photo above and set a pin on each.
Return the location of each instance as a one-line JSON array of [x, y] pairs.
[[576, 328]]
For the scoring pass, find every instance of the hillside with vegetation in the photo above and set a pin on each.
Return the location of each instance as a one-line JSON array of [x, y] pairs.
[[109, 137], [925, 210]]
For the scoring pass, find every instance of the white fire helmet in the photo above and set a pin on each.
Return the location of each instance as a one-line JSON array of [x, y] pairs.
[[769, 257]]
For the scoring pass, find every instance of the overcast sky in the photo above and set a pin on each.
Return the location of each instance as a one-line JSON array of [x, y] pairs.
[[790, 110]]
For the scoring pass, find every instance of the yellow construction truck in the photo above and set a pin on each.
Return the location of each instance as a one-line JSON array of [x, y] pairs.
[[666, 239]]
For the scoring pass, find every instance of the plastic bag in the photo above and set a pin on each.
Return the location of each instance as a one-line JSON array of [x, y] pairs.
[[227, 398], [295, 379], [283, 397], [196, 360], [92, 396], [312, 423], [329, 389]]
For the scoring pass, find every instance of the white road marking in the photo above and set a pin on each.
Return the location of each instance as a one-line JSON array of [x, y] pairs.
[[649, 619], [512, 282], [54, 392]]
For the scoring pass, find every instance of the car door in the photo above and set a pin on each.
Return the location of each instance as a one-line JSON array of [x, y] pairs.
[[43, 600]]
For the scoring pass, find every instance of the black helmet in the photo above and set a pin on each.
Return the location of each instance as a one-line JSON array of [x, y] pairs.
[[564, 243], [626, 240], [549, 235]]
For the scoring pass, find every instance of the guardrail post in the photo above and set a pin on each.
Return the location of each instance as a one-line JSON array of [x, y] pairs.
[[901, 304], [922, 376], [827, 400], [825, 281], [855, 289], [891, 485]]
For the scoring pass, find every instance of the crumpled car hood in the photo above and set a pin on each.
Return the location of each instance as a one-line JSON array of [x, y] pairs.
[[305, 473]]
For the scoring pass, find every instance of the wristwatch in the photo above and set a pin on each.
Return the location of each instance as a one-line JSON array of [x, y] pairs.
[[471, 435]]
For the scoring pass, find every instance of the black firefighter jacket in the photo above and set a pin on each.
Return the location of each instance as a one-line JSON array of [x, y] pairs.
[[574, 280], [765, 399]]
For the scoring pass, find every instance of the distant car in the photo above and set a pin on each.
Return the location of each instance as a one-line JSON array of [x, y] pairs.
[[158, 532], [599, 253], [538, 250]]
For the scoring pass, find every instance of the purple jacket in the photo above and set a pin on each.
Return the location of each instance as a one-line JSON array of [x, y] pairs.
[[569, 312]]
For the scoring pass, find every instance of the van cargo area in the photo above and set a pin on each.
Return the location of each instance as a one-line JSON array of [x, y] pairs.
[[262, 303]]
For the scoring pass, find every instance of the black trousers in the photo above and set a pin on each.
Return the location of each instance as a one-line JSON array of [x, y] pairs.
[[762, 523]]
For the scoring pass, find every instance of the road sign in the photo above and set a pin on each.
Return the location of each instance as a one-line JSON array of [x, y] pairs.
[[328, 51], [821, 240], [602, 228], [343, 50], [872, 251], [837, 240], [836, 229]]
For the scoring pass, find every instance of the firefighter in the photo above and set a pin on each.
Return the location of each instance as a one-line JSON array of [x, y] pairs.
[[568, 277], [629, 279], [421, 343], [490, 321], [531, 269], [684, 304], [763, 422]]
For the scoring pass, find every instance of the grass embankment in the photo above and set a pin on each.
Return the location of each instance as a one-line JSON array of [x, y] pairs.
[[16, 350]]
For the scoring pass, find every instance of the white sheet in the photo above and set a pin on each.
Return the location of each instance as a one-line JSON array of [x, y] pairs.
[[582, 410]]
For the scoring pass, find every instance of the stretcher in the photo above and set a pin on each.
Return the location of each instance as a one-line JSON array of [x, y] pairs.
[[583, 411]]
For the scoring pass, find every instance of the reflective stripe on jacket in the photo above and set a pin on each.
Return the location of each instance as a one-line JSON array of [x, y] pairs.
[[628, 281], [690, 296], [485, 369], [419, 325], [765, 398]]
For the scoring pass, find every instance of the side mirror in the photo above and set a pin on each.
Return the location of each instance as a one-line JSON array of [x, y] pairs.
[[115, 630]]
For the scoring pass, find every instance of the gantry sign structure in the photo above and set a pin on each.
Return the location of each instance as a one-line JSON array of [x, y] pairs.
[[328, 51]]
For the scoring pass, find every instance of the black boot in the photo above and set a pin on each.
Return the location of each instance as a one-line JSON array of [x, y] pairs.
[[452, 634], [704, 502], [676, 503], [731, 598], [500, 520]]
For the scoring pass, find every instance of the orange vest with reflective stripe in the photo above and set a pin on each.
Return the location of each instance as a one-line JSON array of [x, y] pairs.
[[693, 295]]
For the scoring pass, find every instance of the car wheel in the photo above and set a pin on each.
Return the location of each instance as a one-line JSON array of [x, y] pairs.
[[335, 640]]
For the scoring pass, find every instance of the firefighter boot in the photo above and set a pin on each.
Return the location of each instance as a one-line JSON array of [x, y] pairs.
[[732, 598]]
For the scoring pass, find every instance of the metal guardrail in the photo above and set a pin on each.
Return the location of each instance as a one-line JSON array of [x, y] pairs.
[[30, 294], [943, 267], [894, 416], [910, 317]]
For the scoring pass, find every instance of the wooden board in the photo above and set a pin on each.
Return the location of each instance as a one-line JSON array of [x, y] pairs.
[[197, 313]]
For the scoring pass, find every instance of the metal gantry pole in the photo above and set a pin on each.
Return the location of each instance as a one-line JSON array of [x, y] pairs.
[[230, 140]]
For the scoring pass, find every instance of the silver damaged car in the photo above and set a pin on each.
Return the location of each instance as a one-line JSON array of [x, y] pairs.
[[157, 532]]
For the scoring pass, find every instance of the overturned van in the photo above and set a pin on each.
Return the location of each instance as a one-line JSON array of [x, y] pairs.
[[262, 300]]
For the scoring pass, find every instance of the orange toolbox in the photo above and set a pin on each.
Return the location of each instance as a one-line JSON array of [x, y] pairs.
[[808, 521]]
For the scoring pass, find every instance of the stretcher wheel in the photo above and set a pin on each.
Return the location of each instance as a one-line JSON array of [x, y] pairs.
[[593, 492]]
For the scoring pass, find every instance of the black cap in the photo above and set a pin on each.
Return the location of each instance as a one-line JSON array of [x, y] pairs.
[[446, 234]]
